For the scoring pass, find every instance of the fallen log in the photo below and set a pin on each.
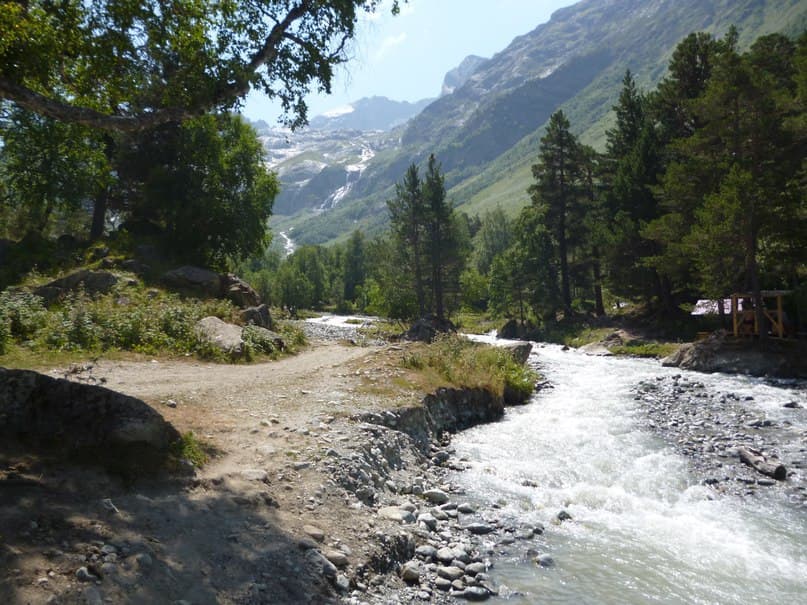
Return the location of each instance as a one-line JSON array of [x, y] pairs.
[[757, 461]]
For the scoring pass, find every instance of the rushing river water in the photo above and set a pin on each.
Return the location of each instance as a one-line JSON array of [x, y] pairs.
[[645, 529]]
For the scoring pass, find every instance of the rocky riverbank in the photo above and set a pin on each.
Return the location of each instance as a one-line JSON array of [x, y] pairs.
[[712, 428]]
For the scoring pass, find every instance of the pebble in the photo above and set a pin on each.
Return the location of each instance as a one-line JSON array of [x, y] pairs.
[[410, 572], [314, 532], [436, 496], [337, 557], [479, 529]]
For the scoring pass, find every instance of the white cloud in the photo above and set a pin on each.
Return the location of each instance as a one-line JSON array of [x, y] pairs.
[[387, 44]]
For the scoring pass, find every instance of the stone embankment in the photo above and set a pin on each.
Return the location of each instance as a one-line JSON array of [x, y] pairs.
[[432, 545], [713, 428]]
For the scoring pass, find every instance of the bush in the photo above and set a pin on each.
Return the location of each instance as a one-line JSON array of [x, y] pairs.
[[257, 341], [24, 312]]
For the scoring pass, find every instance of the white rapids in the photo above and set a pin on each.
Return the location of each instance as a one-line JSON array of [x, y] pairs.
[[644, 529]]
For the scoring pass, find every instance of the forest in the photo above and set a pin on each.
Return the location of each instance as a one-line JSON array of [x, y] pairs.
[[699, 193]]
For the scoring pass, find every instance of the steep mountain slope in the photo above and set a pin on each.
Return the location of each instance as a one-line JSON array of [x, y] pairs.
[[486, 131]]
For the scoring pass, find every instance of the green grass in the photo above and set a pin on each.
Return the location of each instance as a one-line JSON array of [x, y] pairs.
[[131, 319], [645, 349], [454, 361], [189, 448]]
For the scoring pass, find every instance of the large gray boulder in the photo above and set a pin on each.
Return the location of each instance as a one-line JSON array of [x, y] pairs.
[[86, 421], [520, 351], [93, 282], [257, 316], [194, 280], [222, 335]]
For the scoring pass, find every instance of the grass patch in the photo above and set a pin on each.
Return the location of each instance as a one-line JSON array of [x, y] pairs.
[[645, 349], [453, 361], [473, 322], [189, 448]]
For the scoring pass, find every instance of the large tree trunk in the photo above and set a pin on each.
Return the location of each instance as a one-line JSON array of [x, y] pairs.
[[99, 214], [565, 287], [599, 307]]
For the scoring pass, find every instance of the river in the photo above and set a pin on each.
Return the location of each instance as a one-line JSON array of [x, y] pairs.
[[644, 528]]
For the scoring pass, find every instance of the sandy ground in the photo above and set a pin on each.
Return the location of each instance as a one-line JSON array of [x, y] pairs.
[[240, 529]]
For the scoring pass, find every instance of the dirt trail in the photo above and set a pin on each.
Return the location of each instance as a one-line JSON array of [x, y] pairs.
[[237, 531]]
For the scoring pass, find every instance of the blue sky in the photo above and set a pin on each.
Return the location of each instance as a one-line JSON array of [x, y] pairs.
[[405, 57]]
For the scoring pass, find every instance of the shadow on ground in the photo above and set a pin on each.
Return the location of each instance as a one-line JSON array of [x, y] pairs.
[[154, 541]]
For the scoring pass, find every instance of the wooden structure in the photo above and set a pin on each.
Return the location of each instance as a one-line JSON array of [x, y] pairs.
[[744, 320]]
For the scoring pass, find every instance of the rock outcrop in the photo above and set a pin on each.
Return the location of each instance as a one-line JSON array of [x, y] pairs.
[[93, 282], [79, 420], [197, 281], [721, 353]]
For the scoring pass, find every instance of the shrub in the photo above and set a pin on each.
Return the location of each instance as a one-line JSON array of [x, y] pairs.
[[24, 312], [5, 333]]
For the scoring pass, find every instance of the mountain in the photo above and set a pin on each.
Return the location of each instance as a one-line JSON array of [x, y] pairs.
[[374, 113], [460, 74], [487, 129]]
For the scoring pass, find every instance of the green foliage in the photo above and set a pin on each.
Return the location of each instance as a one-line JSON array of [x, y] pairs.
[[129, 65], [129, 319], [22, 312], [257, 342], [202, 183], [190, 449]]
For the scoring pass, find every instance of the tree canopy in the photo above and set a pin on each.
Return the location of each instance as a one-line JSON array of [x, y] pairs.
[[127, 66]]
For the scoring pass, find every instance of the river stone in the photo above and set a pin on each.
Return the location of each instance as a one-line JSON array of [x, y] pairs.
[[258, 316], [473, 569], [426, 551], [445, 555], [83, 575], [428, 520], [544, 560], [564, 516], [450, 572], [320, 563], [442, 584], [92, 596], [479, 529], [315, 532], [254, 474], [337, 557], [436, 496], [410, 572], [395, 513], [93, 282], [466, 508], [474, 593]]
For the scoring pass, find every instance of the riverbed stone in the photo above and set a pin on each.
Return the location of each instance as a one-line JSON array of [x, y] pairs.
[[450, 572], [474, 593], [426, 551], [479, 529], [410, 571], [436, 496], [395, 513]]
